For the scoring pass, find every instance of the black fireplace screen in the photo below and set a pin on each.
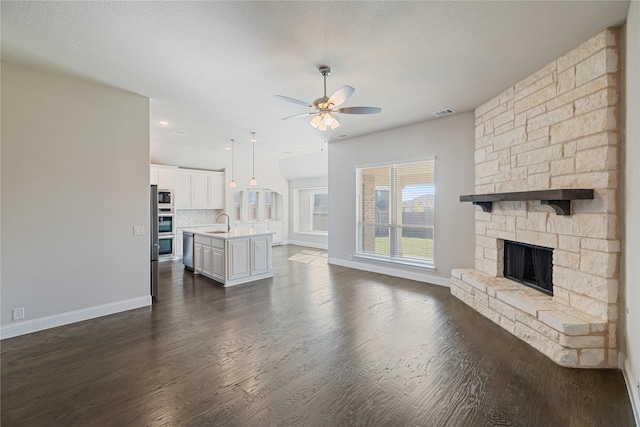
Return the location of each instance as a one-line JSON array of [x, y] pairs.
[[530, 265]]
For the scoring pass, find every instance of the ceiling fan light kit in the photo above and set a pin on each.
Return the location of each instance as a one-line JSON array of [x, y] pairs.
[[325, 107]]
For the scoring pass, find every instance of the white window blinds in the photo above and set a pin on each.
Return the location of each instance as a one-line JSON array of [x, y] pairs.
[[396, 212]]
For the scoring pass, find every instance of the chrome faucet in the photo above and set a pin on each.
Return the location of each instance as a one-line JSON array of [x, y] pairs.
[[228, 221]]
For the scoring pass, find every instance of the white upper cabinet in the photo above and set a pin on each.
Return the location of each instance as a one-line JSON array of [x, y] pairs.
[[162, 176], [197, 189], [182, 193], [215, 188]]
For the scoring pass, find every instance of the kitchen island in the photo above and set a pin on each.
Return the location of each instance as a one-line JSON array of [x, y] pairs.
[[232, 257]]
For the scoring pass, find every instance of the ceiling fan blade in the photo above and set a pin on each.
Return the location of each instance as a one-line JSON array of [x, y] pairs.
[[295, 116], [341, 95], [359, 110], [295, 101]]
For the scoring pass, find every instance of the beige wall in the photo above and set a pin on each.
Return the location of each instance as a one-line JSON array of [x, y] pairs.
[[75, 181], [450, 140]]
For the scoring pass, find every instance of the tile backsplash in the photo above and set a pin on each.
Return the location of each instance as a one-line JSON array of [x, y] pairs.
[[189, 217]]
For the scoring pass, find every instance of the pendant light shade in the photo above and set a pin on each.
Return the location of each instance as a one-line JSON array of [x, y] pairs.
[[253, 181], [232, 184]]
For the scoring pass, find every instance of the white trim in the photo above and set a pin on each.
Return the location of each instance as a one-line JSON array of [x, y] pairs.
[[396, 261], [405, 274], [396, 162], [308, 244], [47, 322], [314, 233], [630, 381]]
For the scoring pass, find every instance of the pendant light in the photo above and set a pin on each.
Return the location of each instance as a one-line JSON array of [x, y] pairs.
[[232, 184], [253, 181]]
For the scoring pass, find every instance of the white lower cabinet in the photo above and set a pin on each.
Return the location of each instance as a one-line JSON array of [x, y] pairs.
[[276, 226], [217, 263], [206, 260], [278, 231], [233, 261], [197, 257], [260, 262], [238, 258]]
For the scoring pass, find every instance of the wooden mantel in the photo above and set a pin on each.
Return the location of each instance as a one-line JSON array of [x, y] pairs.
[[559, 200]]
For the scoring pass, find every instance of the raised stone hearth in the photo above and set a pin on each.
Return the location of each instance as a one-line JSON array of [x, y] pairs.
[[555, 130]]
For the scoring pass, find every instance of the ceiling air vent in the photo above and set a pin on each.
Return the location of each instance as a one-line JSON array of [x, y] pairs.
[[444, 112], [179, 132]]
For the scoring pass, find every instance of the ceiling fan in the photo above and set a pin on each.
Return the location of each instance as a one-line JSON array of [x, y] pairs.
[[325, 107]]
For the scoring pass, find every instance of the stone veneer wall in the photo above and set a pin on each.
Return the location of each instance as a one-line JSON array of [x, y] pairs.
[[556, 129]]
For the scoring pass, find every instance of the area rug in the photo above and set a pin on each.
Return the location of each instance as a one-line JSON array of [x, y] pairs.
[[310, 257]]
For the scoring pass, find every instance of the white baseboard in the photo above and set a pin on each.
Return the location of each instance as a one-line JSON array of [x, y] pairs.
[[308, 244], [405, 274], [632, 387], [42, 323]]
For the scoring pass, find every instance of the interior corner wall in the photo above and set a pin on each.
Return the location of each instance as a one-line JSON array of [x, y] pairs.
[[319, 241], [451, 140], [75, 181], [630, 265]]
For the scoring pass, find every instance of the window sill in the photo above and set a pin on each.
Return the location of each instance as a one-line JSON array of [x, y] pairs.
[[313, 233], [398, 262]]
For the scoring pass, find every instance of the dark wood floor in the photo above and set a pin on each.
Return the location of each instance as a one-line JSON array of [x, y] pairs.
[[313, 346]]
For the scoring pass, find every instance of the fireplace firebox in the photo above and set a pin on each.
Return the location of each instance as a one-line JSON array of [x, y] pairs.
[[530, 265]]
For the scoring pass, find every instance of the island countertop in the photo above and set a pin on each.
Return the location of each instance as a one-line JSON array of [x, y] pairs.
[[235, 233], [232, 257]]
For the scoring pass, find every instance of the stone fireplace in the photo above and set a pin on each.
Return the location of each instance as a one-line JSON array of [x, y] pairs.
[[555, 130]]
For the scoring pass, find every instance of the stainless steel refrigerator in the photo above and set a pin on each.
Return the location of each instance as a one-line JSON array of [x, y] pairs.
[[155, 244]]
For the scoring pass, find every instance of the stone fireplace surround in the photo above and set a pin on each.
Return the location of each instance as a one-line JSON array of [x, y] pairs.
[[556, 129]]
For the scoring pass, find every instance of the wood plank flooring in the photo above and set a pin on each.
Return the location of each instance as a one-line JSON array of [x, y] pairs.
[[312, 346]]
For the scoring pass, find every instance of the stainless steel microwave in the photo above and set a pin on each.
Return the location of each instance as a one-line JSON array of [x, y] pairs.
[[165, 199]]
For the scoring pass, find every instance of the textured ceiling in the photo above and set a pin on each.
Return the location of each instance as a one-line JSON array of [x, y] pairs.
[[211, 68]]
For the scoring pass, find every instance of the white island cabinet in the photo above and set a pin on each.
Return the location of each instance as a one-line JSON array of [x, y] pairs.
[[239, 256]]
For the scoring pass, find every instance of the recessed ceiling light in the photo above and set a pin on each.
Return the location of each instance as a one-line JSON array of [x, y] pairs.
[[163, 123], [179, 132]]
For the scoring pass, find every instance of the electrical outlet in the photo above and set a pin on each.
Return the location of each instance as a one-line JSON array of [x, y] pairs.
[[18, 313], [138, 230]]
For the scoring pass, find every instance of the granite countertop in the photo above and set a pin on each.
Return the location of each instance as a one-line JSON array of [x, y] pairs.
[[236, 232]]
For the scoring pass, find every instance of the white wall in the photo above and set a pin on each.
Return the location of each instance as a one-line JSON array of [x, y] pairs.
[[319, 241], [630, 268], [451, 141], [75, 181]]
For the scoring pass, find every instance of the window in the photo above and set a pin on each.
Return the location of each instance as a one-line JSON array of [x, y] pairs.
[[395, 212], [237, 205], [253, 205], [268, 204], [319, 212], [311, 210]]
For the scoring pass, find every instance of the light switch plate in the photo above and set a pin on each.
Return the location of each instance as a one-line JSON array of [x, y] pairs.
[[138, 230]]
